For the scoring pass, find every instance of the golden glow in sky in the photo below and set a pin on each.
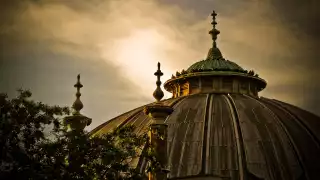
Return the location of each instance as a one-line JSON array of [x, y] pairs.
[[137, 56]]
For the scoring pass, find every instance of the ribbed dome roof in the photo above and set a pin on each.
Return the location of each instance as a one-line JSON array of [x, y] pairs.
[[215, 65], [221, 135]]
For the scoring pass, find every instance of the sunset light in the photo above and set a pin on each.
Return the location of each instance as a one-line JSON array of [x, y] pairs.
[[137, 56], [159, 89]]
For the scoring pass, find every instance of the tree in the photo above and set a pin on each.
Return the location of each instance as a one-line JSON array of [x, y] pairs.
[[28, 153]]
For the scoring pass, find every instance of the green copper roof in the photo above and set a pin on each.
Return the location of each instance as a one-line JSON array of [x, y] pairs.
[[214, 60], [214, 63]]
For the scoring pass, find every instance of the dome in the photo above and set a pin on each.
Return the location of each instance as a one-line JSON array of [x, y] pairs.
[[215, 65], [228, 136], [215, 62], [220, 128]]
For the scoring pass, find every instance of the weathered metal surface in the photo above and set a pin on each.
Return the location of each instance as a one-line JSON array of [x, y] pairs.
[[221, 146], [306, 147], [185, 136], [266, 145], [309, 120], [126, 117], [114, 123], [234, 137], [215, 65]]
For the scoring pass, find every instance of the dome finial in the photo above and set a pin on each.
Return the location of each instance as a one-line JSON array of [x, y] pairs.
[[77, 105], [214, 52], [77, 122], [214, 32], [158, 93]]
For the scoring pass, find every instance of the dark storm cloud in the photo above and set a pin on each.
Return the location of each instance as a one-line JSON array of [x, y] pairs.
[[303, 17]]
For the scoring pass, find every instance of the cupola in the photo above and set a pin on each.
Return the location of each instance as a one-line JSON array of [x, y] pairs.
[[214, 74]]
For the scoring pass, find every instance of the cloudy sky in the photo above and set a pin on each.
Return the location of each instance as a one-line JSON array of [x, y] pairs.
[[115, 45]]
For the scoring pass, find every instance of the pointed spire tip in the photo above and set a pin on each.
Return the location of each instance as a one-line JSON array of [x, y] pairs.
[[77, 105], [158, 93], [214, 52]]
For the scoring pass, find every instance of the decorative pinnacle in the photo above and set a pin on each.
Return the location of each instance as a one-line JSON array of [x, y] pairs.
[[214, 52], [158, 93], [214, 32], [77, 105]]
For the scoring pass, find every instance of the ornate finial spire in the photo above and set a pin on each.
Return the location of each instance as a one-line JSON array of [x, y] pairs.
[[77, 121], [158, 133], [214, 52], [214, 32], [77, 105], [158, 93]]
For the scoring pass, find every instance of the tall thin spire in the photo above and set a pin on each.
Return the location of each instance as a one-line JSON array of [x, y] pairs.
[[77, 105], [158, 93], [214, 32], [214, 52]]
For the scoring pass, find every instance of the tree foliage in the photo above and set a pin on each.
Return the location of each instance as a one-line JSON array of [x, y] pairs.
[[28, 152]]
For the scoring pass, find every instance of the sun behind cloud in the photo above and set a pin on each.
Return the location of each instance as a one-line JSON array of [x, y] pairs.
[[137, 56]]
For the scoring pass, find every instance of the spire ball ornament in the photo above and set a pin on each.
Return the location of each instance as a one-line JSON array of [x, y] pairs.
[[158, 110], [77, 105], [158, 93], [214, 32]]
